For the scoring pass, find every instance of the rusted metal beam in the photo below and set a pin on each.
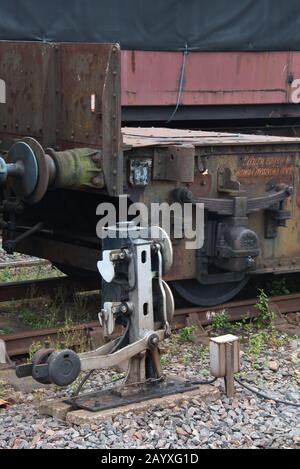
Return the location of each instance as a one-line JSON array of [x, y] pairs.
[[37, 288], [24, 264], [19, 344]]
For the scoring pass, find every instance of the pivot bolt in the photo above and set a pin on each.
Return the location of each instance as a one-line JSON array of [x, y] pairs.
[[123, 256], [153, 341], [97, 181], [124, 309], [250, 262]]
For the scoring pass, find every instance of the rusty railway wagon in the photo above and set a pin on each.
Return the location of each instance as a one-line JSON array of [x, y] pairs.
[[64, 151]]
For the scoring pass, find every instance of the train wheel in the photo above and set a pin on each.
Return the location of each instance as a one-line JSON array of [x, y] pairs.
[[208, 295]]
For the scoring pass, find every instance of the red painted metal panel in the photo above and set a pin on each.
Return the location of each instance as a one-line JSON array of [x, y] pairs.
[[211, 78], [294, 76]]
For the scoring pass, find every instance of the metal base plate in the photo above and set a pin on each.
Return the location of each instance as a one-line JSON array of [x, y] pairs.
[[110, 399]]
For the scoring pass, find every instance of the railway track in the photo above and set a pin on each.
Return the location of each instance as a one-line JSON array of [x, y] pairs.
[[19, 344], [24, 264], [36, 288]]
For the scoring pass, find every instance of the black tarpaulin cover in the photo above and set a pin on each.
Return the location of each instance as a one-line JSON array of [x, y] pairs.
[[157, 24]]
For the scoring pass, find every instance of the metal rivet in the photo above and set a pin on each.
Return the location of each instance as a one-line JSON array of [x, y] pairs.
[[97, 181]]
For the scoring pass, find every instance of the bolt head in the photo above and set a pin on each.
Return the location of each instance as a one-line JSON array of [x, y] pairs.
[[154, 341], [250, 262], [97, 181]]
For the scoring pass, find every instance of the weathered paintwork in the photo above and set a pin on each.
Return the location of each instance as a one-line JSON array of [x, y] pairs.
[[51, 100], [211, 78], [65, 96], [256, 162]]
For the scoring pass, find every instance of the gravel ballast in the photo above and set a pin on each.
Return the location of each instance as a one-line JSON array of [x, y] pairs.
[[243, 422]]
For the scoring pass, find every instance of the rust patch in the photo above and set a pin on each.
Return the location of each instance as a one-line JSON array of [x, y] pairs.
[[202, 185], [133, 62]]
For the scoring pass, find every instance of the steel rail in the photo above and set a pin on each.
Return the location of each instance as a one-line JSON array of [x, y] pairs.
[[23, 264], [19, 344], [37, 288]]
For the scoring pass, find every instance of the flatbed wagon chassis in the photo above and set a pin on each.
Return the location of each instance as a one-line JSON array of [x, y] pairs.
[[249, 185]]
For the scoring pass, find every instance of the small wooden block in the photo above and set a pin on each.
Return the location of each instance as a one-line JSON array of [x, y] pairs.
[[55, 408]]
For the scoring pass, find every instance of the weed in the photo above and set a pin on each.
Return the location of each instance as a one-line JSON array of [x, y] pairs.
[[6, 330], [35, 347], [174, 342], [269, 338], [70, 338], [265, 316], [187, 358], [277, 340], [16, 274], [203, 352], [248, 327], [118, 376], [221, 322], [279, 287], [5, 275], [3, 390], [165, 360], [243, 324], [256, 344], [187, 335], [67, 338], [37, 320], [74, 386]]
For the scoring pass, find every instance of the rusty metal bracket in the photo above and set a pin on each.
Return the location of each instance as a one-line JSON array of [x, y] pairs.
[[174, 163], [226, 184]]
